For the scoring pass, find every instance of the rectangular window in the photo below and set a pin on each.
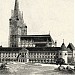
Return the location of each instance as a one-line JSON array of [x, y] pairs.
[[45, 56], [6, 54], [34, 53], [51, 56], [48, 53], [3, 54], [48, 56], [9, 55], [42, 56]]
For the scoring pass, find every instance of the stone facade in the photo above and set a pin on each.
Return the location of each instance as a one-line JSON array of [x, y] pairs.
[[32, 48], [17, 26], [35, 54], [29, 54]]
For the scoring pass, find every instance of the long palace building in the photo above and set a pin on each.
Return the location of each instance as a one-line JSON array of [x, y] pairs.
[[32, 48]]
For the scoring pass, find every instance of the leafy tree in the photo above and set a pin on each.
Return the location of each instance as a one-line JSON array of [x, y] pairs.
[[60, 61]]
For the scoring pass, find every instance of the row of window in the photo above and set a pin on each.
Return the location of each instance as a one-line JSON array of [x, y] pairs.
[[41, 56], [28, 45], [26, 41], [42, 53], [50, 60], [22, 53], [8, 54]]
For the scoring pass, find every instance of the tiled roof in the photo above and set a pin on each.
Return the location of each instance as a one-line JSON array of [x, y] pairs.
[[10, 48], [63, 47], [38, 38], [69, 50], [47, 35], [30, 48], [44, 49], [71, 46]]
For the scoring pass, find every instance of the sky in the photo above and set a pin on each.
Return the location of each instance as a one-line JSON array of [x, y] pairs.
[[41, 17]]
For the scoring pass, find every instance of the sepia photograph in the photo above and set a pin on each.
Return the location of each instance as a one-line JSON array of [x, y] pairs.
[[37, 37]]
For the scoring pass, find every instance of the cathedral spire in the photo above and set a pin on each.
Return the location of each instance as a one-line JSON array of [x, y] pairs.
[[16, 7]]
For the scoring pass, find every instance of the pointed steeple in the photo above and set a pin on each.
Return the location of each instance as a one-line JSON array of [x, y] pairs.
[[63, 47], [63, 40], [16, 7]]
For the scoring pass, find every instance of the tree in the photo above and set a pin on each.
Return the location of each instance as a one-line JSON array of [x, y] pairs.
[[60, 61]]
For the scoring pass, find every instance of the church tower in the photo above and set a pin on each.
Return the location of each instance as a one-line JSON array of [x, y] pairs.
[[17, 26]]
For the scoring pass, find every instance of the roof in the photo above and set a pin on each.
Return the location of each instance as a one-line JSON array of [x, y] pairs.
[[71, 46], [44, 49], [10, 48], [37, 38], [63, 47], [17, 49], [69, 50], [47, 35]]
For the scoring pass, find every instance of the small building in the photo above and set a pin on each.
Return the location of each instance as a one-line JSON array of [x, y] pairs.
[[71, 53]]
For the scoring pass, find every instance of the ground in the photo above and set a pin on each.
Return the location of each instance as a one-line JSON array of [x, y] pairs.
[[32, 69]]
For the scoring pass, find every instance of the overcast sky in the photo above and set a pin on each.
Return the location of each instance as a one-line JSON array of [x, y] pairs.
[[41, 16]]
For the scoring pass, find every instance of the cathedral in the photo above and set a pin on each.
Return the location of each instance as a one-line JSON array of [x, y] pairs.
[[32, 48]]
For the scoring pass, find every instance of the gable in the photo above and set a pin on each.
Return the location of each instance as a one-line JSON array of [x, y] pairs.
[[71, 46]]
